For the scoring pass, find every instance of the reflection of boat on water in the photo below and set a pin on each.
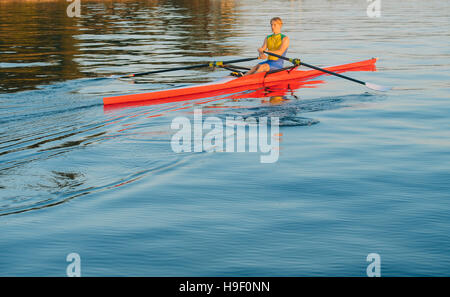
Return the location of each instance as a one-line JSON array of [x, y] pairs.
[[276, 90], [258, 85]]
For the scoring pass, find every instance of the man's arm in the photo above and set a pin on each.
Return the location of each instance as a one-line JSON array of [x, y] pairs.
[[262, 49]]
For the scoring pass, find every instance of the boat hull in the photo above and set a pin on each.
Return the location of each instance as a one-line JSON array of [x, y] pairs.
[[230, 83]]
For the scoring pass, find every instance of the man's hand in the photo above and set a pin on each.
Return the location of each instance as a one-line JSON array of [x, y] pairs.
[[261, 53]]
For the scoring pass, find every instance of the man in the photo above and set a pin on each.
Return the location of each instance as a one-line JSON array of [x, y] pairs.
[[275, 43]]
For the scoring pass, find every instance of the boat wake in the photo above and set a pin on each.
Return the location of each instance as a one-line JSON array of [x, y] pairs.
[[67, 147], [291, 112]]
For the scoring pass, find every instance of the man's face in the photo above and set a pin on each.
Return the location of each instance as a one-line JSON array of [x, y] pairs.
[[276, 27]]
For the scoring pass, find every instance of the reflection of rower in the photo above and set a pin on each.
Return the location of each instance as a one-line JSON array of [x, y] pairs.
[[275, 43], [275, 100]]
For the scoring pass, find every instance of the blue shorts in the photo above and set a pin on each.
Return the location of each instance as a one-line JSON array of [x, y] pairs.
[[274, 64]]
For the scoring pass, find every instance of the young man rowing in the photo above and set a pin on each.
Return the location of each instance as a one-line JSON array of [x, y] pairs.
[[276, 43]]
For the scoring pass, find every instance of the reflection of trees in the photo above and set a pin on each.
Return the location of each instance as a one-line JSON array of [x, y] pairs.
[[209, 26], [32, 34], [39, 44]]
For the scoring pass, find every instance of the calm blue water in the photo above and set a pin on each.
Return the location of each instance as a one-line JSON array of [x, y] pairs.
[[359, 172]]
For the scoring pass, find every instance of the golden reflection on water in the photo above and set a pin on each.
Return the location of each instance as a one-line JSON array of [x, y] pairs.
[[41, 44]]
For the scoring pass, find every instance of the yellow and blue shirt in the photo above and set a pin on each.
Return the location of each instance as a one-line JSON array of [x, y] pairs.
[[273, 43]]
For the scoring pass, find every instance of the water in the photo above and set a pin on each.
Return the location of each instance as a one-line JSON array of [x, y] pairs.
[[359, 172]]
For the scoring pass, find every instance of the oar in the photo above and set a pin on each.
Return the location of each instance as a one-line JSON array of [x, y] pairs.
[[210, 64], [298, 62]]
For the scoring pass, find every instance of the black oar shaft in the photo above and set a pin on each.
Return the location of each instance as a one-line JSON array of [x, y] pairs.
[[167, 70], [333, 73], [294, 61], [211, 64]]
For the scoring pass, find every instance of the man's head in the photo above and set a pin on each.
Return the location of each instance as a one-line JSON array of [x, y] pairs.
[[276, 24]]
